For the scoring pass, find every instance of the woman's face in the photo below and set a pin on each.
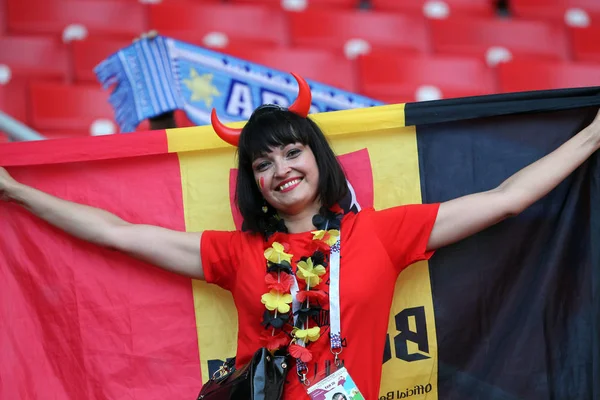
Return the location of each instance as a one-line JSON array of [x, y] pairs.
[[288, 177]]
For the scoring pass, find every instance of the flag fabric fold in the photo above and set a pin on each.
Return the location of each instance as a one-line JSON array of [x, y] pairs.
[[509, 313]]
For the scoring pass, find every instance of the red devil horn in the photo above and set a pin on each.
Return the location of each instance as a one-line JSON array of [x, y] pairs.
[[302, 104], [230, 135]]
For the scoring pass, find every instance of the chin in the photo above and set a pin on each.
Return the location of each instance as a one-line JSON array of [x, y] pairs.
[[294, 202], [295, 207], [292, 208]]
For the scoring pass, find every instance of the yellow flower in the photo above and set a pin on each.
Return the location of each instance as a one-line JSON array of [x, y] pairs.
[[276, 254], [330, 237], [309, 272], [308, 335], [277, 301]]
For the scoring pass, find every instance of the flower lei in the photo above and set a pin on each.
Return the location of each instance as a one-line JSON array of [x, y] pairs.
[[280, 328]]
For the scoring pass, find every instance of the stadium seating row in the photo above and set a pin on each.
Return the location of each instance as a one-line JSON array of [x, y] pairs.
[[491, 41], [126, 19], [558, 10], [348, 32]]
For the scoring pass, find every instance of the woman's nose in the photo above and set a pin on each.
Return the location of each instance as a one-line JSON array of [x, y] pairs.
[[281, 169]]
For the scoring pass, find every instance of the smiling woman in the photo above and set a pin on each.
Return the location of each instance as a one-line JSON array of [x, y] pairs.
[[289, 189]]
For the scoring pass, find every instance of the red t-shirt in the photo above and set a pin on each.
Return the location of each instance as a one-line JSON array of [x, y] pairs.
[[375, 247]]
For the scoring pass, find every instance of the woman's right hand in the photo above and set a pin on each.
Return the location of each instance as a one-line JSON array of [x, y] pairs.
[[6, 184], [147, 35]]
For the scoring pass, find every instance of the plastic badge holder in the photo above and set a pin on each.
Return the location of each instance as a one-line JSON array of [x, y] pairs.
[[337, 386]]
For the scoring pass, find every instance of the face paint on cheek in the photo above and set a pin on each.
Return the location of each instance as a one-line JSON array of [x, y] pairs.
[[261, 182]]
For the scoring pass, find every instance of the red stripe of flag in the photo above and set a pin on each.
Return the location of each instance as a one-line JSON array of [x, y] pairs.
[[82, 322]]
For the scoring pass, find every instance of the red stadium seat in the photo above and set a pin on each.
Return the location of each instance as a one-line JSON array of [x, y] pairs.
[[66, 108], [438, 9], [13, 99], [38, 57], [580, 13], [2, 17], [90, 52], [523, 75], [107, 18], [295, 5], [220, 23], [585, 44], [357, 31], [497, 39], [319, 65], [63, 133], [403, 78]]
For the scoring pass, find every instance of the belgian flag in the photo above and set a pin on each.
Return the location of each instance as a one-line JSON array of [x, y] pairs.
[[510, 313]]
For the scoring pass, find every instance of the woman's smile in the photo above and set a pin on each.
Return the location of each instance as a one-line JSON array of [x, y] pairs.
[[288, 185]]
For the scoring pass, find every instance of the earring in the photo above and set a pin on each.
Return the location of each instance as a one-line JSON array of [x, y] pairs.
[[265, 208]]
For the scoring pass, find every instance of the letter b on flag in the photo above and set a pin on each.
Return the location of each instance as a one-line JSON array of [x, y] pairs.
[[405, 335], [416, 334]]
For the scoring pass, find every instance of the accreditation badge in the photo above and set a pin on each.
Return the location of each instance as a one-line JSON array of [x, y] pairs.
[[337, 386]]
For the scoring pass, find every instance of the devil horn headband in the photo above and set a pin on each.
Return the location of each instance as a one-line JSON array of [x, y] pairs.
[[301, 107]]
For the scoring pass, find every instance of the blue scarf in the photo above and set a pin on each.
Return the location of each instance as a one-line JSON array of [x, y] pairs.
[[155, 76]]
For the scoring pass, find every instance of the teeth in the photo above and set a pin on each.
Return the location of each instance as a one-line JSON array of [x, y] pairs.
[[289, 184]]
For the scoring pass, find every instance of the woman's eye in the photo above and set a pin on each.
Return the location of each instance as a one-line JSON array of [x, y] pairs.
[[293, 152], [262, 166]]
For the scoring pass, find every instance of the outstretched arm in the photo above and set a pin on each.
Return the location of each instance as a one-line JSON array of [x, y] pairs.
[[175, 251], [464, 216]]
